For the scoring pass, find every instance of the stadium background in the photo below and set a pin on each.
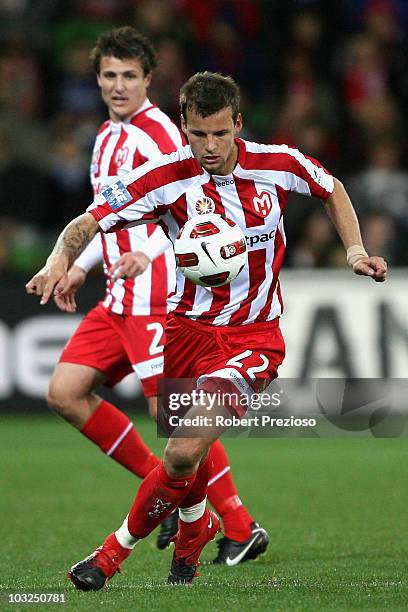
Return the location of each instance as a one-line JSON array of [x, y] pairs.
[[328, 77]]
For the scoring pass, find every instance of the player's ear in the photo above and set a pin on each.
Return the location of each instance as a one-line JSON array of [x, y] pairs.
[[238, 123], [183, 124], [98, 80], [147, 79]]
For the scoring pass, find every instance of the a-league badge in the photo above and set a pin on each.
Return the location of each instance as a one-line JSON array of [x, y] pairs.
[[204, 206]]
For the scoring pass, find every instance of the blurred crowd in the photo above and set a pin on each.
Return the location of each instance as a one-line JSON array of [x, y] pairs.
[[328, 77]]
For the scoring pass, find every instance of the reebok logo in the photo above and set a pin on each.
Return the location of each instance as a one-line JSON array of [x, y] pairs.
[[224, 183], [258, 238]]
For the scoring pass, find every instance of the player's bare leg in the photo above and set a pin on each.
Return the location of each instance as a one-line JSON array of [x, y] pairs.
[[70, 392], [197, 525], [152, 405], [243, 539], [71, 395], [238, 524]]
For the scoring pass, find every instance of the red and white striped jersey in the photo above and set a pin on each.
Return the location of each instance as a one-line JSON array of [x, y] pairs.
[[119, 148], [254, 196]]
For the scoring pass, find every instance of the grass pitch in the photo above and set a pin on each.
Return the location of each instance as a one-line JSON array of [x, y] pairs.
[[336, 511]]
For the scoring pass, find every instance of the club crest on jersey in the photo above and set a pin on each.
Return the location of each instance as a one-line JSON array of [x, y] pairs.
[[121, 156], [116, 195], [205, 205], [95, 163], [263, 203]]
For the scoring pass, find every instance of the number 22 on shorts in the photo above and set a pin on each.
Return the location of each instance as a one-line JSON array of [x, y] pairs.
[[237, 362]]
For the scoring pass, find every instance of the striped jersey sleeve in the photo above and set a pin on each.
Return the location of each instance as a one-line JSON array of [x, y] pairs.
[[297, 172], [142, 196]]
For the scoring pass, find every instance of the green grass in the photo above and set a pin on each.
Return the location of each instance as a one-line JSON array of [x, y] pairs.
[[336, 511]]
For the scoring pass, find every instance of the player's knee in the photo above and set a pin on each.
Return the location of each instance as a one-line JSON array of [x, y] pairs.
[[61, 397], [179, 463], [180, 459]]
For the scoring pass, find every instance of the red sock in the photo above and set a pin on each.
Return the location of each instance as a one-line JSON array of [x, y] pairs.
[[223, 496], [116, 436], [199, 489], [158, 495], [188, 531]]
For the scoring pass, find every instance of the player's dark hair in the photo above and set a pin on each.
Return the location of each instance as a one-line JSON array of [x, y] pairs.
[[124, 43], [207, 93]]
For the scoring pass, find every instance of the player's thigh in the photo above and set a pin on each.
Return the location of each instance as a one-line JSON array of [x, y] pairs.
[[190, 350], [73, 381], [152, 406], [185, 347], [254, 352], [70, 392], [97, 345], [247, 362]]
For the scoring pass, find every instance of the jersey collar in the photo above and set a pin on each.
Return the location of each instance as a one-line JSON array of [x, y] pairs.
[[116, 126], [145, 106]]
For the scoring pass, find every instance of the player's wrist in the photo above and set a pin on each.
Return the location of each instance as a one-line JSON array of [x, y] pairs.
[[355, 253], [146, 253], [58, 259], [79, 269]]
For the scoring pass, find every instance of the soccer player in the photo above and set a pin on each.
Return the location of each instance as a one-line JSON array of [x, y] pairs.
[[230, 333], [125, 331]]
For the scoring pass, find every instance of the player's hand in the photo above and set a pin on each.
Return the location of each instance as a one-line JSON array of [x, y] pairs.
[[129, 265], [65, 300], [376, 267], [66, 303], [50, 280]]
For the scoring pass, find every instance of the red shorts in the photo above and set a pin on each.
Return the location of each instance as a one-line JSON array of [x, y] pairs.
[[118, 345], [247, 356]]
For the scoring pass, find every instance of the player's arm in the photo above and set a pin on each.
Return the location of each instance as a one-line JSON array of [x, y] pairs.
[[113, 208], [77, 274], [135, 263], [342, 214], [52, 279]]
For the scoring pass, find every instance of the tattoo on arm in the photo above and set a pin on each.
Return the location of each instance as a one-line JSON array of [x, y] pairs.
[[74, 238]]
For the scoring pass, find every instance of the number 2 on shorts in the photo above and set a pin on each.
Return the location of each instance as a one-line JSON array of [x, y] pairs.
[[155, 346]]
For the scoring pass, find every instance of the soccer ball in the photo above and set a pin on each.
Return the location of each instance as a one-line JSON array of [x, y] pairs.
[[210, 250]]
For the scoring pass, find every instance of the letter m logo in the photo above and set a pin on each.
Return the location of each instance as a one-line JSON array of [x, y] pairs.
[[121, 156], [263, 203]]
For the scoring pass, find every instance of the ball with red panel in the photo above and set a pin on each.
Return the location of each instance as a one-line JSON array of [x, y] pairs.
[[210, 250]]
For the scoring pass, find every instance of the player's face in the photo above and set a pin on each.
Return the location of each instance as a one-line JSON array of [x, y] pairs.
[[123, 86], [212, 139]]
